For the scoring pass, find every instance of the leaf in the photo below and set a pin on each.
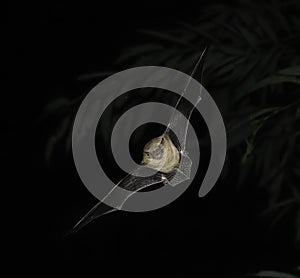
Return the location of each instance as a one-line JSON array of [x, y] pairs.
[[200, 32], [291, 74], [247, 77], [59, 133], [241, 130], [279, 206], [275, 79], [253, 115], [267, 29], [217, 61], [230, 30], [165, 37], [274, 274], [275, 11], [134, 52], [268, 62], [160, 59], [249, 149], [247, 35], [293, 71]]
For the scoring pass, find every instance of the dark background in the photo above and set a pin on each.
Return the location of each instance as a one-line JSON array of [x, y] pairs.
[[52, 46]]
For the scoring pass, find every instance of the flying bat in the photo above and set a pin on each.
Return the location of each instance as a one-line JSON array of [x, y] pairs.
[[165, 154]]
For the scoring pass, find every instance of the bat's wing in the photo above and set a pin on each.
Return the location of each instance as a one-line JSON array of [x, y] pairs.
[[180, 118], [183, 172], [132, 183]]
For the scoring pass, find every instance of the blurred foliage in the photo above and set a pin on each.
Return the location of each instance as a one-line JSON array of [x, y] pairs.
[[252, 70], [273, 274]]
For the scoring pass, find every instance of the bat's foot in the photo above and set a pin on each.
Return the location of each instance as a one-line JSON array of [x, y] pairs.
[[164, 180]]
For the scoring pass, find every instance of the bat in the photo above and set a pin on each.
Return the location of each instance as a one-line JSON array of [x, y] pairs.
[[163, 154]]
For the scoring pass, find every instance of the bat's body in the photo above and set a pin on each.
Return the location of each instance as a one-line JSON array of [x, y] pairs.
[[161, 154]]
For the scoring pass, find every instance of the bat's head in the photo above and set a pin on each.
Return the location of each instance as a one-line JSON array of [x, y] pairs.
[[160, 154]]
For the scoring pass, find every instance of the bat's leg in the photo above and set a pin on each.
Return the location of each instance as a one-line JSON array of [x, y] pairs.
[[164, 179]]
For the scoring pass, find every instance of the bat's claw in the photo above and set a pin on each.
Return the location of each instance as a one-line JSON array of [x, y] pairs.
[[164, 180]]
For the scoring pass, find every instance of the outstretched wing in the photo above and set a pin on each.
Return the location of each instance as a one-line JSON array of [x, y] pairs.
[[179, 123], [132, 183]]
